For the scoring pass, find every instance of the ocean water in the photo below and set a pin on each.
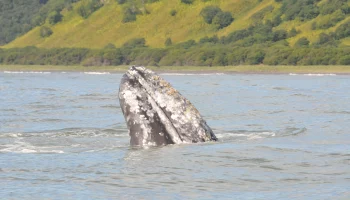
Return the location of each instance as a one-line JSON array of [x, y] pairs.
[[63, 136]]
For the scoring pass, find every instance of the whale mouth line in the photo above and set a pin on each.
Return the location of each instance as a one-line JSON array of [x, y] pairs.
[[156, 113]]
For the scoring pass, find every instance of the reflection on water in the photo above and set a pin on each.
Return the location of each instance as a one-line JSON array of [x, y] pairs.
[[62, 135]]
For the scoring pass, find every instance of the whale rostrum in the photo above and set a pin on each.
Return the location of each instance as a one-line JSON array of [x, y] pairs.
[[156, 113]]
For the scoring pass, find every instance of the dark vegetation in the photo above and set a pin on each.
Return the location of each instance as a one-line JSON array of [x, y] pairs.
[[214, 15], [199, 55], [20, 16], [15, 18]]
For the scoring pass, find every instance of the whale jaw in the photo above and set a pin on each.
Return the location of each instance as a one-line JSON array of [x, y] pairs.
[[156, 113]]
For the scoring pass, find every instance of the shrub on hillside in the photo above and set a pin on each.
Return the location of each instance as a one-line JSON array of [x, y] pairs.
[[187, 1], [186, 45], [293, 32], [207, 39], [279, 35], [130, 14], [302, 42], [136, 42], [173, 12], [110, 46], [45, 31]]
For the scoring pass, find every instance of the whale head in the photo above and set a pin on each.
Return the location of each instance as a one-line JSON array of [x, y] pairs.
[[156, 113]]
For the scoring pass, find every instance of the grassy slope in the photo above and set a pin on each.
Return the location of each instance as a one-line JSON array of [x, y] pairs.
[[105, 26]]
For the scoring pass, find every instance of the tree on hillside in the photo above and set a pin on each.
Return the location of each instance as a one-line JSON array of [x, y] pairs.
[[222, 19], [54, 17], [214, 15], [168, 42], [208, 13]]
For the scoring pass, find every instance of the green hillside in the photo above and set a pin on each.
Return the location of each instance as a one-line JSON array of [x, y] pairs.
[[184, 33], [156, 21]]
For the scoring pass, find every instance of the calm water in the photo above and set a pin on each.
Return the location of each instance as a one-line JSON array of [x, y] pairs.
[[63, 136]]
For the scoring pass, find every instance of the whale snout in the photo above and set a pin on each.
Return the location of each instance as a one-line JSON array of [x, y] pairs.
[[156, 113]]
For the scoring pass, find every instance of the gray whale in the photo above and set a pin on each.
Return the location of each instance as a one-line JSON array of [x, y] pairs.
[[156, 113]]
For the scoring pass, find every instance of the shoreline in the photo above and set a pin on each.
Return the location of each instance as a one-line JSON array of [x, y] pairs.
[[242, 69]]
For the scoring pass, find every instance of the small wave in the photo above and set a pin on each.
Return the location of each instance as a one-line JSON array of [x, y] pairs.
[[25, 72], [191, 74], [91, 95], [280, 88], [291, 131], [338, 112], [97, 73]]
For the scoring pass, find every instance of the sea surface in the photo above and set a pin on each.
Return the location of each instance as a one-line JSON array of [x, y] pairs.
[[63, 136]]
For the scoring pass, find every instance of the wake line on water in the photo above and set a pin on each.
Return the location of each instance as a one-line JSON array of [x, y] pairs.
[[245, 136], [25, 72], [190, 74], [293, 74], [97, 73], [255, 135]]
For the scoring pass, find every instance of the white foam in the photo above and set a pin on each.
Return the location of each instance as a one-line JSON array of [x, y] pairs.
[[25, 72], [24, 147], [97, 73], [11, 135]]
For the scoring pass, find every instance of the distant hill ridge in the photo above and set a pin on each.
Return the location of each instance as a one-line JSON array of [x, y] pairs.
[[98, 23]]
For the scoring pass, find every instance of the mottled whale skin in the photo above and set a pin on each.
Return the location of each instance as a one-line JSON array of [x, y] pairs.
[[156, 113]]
